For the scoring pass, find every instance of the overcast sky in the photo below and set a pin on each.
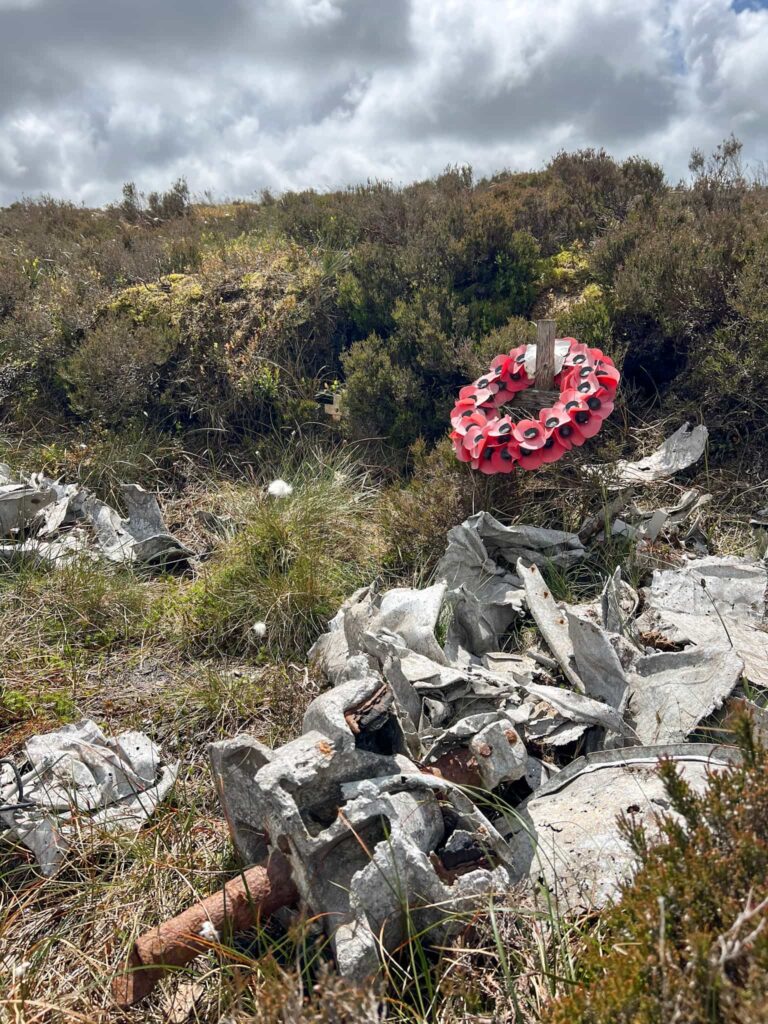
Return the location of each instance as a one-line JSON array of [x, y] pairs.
[[241, 95]]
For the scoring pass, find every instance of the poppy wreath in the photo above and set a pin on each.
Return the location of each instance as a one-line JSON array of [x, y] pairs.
[[495, 443]]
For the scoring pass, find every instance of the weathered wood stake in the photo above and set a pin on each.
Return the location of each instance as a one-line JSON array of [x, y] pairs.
[[545, 355]]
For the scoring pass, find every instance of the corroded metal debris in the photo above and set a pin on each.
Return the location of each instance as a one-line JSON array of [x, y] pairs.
[[382, 807], [49, 522]]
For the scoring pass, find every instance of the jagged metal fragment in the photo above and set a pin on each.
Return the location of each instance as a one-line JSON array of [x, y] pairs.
[[234, 763], [330, 652], [618, 603], [597, 663], [19, 504], [551, 621], [107, 783], [493, 748], [362, 830], [671, 692], [713, 601], [580, 709], [565, 838], [679, 451], [408, 614], [476, 566], [411, 614], [141, 538]]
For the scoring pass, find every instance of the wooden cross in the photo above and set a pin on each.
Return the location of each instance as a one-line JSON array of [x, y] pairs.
[[542, 394]]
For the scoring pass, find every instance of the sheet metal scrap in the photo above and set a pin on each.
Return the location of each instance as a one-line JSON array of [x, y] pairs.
[[564, 838], [551, 620], [370, 792], [76, 772], [53, 523], [678, 452], [477, 567], [670, 693], [713, 601]]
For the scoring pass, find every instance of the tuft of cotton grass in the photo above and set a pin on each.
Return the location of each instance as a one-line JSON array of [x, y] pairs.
[[18, 972], [259, 629], [208, 932], [280, 489]]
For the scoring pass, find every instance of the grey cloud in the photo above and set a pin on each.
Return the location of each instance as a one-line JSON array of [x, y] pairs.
[[242, 94]]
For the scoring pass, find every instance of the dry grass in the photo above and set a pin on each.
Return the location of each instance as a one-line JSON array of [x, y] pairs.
[[92, 643]]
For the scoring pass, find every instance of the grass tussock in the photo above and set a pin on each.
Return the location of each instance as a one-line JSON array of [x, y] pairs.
[[289, 568]]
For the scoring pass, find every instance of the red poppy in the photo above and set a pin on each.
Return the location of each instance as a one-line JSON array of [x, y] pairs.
[[500, 365], [461, 452], [601, 404], [474, 441], [553, 449], [500, 431], [555, 416], [504, 459], [600, 357], [586, 383], [578, 354], [530, 458], [584, 424], [529, 434], [608, 376], [473, 392], [461, 412]]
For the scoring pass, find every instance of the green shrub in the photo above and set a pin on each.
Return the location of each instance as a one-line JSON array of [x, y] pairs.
[[117, 371], [588, 319], [688, 941]]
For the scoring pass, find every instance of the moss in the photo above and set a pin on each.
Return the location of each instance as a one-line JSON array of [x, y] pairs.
[[163, 302], [566, 270], [588, 318]]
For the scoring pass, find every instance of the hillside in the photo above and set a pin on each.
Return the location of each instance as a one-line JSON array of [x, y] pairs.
[[204, 351]]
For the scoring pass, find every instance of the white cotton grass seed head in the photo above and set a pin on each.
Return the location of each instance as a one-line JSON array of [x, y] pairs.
[[280, 489], [208, 932], [259, 629], [18, 972]]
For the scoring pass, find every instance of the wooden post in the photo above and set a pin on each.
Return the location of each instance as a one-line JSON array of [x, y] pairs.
[[545, 355]]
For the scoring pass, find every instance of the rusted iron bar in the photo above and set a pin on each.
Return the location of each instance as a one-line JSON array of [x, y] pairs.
[[255, 894]]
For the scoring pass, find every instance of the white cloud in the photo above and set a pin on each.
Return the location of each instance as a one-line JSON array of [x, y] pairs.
[[244, 95]]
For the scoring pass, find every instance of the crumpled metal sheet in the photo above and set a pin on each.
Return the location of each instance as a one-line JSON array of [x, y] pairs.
[[19, 504], [564, 837], [405, 613], [618, 604], [112, 783], [476, 566], [713, 601], [671, 692], [679, 451], [63, 521], [580, 709], [551, 620], [597, 663], [141, 538], [730, 586]]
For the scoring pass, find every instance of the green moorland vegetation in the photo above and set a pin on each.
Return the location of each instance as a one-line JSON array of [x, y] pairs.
[[182, 345]]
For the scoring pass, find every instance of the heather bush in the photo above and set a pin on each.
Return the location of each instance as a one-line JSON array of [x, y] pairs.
[[688, 941], [117, 371]]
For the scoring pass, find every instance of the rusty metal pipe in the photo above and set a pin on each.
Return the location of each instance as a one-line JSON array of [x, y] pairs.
[[257, 893]]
